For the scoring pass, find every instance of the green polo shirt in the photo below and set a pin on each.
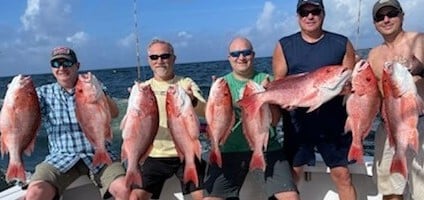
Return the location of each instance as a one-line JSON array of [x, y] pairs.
[[236, 142]]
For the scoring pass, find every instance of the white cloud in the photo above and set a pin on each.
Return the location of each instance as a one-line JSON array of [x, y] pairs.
[[78, 38], [127, 41], [264, 22], [184, 35], [31, 13], [183, 38]]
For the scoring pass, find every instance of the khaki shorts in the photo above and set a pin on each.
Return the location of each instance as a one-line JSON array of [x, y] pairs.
[[48, 173], [395, 183]]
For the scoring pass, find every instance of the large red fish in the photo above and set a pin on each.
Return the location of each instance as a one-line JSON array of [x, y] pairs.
[[93, 114], [139, 128], [401, 108], [301, 90], [220, 117], [20, 119], [256, 128], [183, 125], [362, 106]]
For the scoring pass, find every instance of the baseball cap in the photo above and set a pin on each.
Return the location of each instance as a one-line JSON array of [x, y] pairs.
[[383, 3], [65, 53], [318, 3]]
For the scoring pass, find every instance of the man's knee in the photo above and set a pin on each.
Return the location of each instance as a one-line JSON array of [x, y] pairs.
[[40, 190]]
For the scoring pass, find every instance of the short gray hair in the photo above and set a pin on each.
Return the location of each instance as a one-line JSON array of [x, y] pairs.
[[156, 41]]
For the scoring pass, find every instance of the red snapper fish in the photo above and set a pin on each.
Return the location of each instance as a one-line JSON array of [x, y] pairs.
[[139, 128], [93, 114], [183, 125], [219, 116], [362, 106], [401, 108], [256, 128], [20, 119], [301, 90]]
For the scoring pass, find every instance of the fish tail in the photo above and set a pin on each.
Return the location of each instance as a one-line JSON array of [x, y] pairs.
[[356, 152], [257, 161], [250, 104], [399, 165], [16, 170], [133, 178], [190, 173], [101, 157], [215, 156]]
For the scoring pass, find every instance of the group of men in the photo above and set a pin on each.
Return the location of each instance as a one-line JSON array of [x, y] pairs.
[[71, 155]]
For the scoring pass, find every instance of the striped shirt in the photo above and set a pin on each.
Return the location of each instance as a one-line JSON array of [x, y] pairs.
[[67, 142]]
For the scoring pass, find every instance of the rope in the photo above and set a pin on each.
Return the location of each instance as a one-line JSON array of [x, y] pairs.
[[137, 43], [358, 25]]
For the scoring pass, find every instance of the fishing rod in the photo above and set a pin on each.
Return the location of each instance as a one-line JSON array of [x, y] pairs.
[[358, 25], [137, 43]]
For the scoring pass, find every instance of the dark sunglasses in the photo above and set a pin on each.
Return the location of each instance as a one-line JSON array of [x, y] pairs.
[[246, 52], [161, 56], [305, 13], [380, 17], [63, 63]]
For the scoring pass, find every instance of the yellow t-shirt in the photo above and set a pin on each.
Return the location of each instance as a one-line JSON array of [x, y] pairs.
[[163, 145]]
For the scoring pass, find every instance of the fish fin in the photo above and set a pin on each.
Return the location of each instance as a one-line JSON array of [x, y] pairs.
[[347, 126], [420, 104], [197, 149], [312, 108], [133, 178], [257, 161], [109, 134], [30, 147], [413, 140], [101, 157], [123, 154], [190, 174], [399, 165], [3, 147], [16, 170], [123, 122], [356, 153], [215, 156]]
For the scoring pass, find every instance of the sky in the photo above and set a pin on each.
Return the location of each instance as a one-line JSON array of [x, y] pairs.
[[103, 32]]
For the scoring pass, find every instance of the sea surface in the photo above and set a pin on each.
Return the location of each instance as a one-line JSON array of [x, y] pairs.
[[118, 80]]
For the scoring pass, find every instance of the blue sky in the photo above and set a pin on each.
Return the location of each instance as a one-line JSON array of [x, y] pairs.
[[102, 31]]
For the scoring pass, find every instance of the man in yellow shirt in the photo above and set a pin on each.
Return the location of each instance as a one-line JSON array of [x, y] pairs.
[[163, 161]]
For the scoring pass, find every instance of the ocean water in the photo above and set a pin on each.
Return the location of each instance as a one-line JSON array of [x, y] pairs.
[[117, 81]]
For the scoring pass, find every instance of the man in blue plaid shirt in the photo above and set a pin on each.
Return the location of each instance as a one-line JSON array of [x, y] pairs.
[[70, 152]]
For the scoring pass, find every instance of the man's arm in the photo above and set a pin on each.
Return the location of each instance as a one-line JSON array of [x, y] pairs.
[[349, 58], [279, 64]]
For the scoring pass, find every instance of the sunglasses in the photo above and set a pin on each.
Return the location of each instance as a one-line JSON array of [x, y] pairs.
[[161, 56], [246, 52], [63, 63], [380, 17], [305, 13]]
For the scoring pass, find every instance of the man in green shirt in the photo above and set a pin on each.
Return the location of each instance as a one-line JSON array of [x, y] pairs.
[[226, 182]]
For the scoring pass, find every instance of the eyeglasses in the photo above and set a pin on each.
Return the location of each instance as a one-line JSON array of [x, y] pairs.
[[392, 13], [161, 56], [63, 63], [305, 13], [246, 52]]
